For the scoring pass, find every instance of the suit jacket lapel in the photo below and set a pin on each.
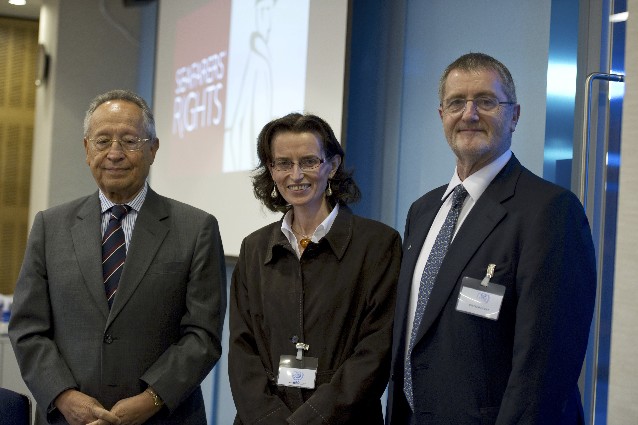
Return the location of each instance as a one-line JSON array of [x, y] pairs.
[[412, 248], [481, 221], [417, 228], [148, 235], [87, 244]]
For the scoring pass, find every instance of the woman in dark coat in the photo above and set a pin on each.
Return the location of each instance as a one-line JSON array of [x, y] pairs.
[[312, 296]]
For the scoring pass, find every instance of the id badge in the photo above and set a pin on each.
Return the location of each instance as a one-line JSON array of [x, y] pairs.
[[297, 373], [480, 300]]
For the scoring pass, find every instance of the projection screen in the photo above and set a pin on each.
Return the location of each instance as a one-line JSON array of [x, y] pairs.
[[224, 68]]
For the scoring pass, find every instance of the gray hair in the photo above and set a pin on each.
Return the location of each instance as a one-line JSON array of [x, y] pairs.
[[147, 115], [479, 62]]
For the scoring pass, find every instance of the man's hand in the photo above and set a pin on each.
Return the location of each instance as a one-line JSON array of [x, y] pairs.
[[132, 411], [79, 409]]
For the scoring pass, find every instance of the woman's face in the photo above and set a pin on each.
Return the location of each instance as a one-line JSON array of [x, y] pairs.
[[295, 169]]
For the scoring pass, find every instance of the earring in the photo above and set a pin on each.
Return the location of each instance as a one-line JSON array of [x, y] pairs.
[[273, 194], [329, 190]]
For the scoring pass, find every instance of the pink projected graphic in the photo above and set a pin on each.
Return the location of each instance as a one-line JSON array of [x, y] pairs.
[[199, 89]]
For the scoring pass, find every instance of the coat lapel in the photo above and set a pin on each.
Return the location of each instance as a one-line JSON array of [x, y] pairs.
[[87, 244], [481, 221], [420, 217], [412, 248], [148, 235]]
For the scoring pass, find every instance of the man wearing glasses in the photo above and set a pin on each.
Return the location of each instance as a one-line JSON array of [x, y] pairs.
[[497, 282], [119, 306]]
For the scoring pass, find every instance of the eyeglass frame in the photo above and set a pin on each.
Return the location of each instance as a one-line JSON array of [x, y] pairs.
[[478, 109], [140, 142], [273, 164]]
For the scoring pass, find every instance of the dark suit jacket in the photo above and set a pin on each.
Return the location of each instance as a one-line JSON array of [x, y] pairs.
[[165, 325], [522, 368]]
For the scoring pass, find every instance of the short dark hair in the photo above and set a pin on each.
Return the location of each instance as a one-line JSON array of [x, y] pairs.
[[479, 62], [147, 115], [344, 189]]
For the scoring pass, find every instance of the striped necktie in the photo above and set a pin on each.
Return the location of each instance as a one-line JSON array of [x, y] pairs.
[[430, 271], [113, 251]]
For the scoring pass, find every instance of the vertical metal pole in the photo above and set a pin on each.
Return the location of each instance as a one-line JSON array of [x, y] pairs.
[[582, 195], [584, 160]]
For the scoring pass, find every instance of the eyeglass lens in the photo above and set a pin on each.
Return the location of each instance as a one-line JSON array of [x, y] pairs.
[[306, 164]]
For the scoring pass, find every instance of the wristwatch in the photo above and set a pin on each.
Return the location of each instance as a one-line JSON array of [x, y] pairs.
[[157, 400]]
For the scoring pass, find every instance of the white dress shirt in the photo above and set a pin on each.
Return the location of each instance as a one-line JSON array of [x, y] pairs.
[[321, 230], [475, 184], [128, 222]]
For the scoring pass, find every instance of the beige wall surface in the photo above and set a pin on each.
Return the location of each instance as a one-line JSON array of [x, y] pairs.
[[623, 379]]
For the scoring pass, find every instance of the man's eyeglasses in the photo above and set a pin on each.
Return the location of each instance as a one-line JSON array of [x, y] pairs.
[[482, 104], [128, 143], [308, 163]]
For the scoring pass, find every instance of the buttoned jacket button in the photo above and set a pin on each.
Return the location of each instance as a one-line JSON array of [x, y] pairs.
[[108, 339]]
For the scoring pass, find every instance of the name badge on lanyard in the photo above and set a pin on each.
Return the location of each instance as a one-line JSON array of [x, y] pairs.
[[481, 297], [298, 371]]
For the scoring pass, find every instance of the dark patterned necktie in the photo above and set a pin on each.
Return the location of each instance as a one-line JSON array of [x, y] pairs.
[[430, 271], [113, 251]]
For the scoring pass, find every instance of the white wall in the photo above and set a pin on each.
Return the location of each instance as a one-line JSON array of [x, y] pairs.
[[623, 377]]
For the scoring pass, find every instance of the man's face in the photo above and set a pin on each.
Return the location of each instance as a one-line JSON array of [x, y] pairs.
[[118, 172], [477, 137]]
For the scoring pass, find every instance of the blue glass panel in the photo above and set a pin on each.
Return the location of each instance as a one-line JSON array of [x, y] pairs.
[[605, 211], [561, 92]]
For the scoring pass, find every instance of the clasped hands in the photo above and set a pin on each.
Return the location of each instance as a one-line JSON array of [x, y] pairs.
[[81, 409]]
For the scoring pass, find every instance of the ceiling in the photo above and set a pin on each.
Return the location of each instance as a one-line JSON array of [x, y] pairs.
[[29, 11]]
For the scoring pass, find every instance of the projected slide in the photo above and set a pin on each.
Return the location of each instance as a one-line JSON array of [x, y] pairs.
[[199, 88], [268, 72], [224, 68], [241, 77]]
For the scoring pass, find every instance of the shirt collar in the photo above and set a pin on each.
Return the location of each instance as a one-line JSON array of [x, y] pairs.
[[477, 182], [321, 230], [337, 237], [135, 203]]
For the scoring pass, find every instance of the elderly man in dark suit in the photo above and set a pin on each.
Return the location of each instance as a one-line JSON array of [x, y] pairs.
[[497, 283], [117, 318]]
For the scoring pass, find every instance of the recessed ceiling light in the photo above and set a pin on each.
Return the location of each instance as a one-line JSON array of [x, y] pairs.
[[18, 2]]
